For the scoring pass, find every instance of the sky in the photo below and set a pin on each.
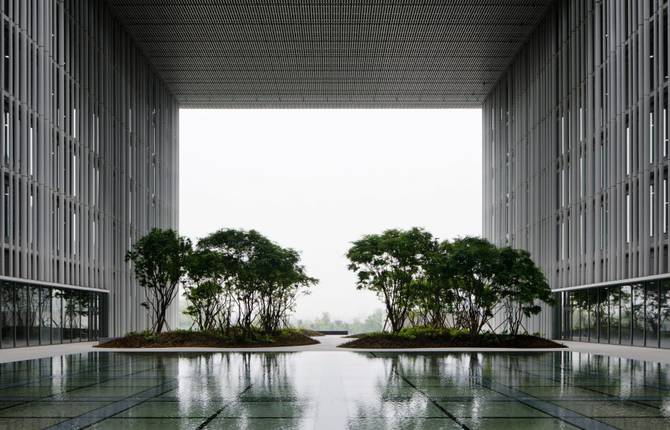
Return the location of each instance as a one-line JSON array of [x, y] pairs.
[[316, 180]]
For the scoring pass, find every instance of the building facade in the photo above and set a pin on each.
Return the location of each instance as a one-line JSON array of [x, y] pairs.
[[575, 137], [89, 161], [575, 164]]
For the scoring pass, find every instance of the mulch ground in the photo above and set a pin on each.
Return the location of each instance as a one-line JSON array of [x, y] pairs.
[[501, 341], [204, 340]]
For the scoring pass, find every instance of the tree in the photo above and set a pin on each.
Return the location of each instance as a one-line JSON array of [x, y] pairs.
[[262, 278], [436, 297], [468, 270], [208, 289], [522, 285], [205, 304], [391, 265], [159, 263], [282, 279], [239, 251], [433, 303]]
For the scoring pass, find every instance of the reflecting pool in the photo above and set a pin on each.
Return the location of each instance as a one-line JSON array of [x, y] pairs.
[[334, 390]]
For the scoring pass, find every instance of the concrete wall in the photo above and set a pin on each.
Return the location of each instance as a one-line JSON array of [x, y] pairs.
[[88, 150], [575, 154]]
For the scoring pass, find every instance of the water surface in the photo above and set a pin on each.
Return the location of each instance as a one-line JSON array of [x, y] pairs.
[[338, 390]]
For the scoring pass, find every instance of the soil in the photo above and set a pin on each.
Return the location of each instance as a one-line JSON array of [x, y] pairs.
[[488, 341], [205, 340]]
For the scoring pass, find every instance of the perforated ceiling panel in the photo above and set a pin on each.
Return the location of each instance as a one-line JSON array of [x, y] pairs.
[[240, 54]]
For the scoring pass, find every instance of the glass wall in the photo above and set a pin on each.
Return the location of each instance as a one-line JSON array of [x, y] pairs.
[[602, 309], [56, 315], [615, 315], [631, 314], [625, 314], [37, 315], [638, 314], [7, 324], [664, 313]]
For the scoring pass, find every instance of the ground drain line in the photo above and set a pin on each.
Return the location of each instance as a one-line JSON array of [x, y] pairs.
[[565, 415], [45, 398], [40, 378], [216, 414], [610, 397], [108, 411], [430, 399]]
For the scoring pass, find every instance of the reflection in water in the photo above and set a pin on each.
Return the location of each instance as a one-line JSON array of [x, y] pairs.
[[334, 390]]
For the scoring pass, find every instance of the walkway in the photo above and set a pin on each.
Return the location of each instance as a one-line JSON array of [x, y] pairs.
[[330, 343]]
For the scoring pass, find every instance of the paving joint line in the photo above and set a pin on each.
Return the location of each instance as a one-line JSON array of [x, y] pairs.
[[566, 415], [430, 399], [39, 378], [211, 418], [38, 399], [609, 397], [93, 416]]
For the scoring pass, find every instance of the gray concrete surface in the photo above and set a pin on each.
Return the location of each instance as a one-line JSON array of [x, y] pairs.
[[330, 343]]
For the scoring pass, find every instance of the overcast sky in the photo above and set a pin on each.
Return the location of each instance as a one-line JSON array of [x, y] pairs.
[[315, 180]]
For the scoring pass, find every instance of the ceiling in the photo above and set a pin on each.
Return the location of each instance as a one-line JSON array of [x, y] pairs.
[[330, 54]]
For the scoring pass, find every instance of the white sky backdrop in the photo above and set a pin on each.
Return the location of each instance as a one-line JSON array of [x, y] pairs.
[[315, 180]]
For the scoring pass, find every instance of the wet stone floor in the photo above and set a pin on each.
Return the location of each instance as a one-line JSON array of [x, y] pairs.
[[334, 390]]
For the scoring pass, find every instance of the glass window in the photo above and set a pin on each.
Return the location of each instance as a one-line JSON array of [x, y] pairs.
[[7, 324], [651, 314], [638, 312], [603, 315], [103, 315], [576, 313], [33, 321], [85, 315], [31, 315], [76, 316], [591, 332], [567, 315], [56, 316], [45, 316], [93, 310], [584, 314], [626, 314], [615, 314], [665, 313], [70, 317], [21, 316]]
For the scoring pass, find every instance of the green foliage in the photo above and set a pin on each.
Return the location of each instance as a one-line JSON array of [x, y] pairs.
[[159, 264], [522, 285], [236, 280], [205, 305], [467, 270], [424, 332], [421, 332], [459, 284], [234, 336], [391, 265], [240, 279]]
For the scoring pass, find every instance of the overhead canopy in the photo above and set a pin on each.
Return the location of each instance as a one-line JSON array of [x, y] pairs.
[[318, 53]]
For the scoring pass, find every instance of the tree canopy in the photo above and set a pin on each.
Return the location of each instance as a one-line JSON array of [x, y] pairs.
[[392, 265], [259, 280], [461, 284], [159, 261], [232, 279]]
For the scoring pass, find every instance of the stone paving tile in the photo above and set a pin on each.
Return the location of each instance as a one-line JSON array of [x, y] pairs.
[[323, 390]]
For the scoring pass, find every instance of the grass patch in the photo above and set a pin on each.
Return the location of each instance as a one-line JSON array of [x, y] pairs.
[[233, 338], [428, 337]]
